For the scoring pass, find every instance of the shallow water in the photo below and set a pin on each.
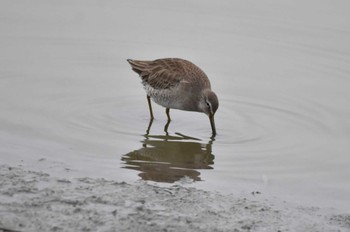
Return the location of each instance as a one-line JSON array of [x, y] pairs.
[[71, 105]]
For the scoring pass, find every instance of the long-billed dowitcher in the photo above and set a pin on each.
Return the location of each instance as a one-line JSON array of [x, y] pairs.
[[177, 84]]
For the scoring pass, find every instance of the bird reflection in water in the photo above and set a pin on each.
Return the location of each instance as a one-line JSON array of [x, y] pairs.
[[169, 158]]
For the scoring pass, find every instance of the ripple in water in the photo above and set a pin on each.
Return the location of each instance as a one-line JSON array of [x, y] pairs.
[[108, 116], [273, 125]]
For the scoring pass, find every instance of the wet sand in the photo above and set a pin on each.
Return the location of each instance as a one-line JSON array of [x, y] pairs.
[[36, 201]]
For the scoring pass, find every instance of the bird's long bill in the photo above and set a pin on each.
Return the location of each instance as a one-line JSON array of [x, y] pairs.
[[212, 123]]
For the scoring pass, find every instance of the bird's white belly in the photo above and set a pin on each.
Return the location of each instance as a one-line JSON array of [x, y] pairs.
[[165, 97]]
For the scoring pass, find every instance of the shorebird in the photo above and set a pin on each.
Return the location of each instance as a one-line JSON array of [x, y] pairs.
[[177, 84]]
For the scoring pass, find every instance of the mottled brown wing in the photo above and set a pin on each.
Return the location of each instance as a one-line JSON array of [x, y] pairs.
[[160, 74]]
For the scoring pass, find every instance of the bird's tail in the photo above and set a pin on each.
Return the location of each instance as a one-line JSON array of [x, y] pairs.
[[138, 66]]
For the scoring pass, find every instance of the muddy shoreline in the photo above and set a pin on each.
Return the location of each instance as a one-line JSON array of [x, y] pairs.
[[36, 201]]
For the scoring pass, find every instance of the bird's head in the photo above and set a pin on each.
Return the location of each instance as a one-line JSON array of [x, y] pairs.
[[208, 104]]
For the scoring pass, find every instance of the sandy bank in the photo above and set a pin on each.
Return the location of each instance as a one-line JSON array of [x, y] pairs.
[[35, 201]]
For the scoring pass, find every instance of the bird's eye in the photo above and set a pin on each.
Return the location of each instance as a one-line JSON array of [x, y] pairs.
[[208, 104]]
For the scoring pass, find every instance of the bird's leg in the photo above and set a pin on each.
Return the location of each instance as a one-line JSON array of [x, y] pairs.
[[149, 126], [144, 144], [167, 110], [150, 107], [166, 127]]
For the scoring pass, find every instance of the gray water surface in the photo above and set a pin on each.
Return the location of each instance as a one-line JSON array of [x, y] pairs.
[[71, 105]]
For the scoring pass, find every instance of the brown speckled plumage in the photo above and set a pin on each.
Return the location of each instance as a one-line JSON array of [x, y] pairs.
[[178, 84]]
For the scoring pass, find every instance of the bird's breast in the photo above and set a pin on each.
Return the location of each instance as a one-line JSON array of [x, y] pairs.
[[174, 98]]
